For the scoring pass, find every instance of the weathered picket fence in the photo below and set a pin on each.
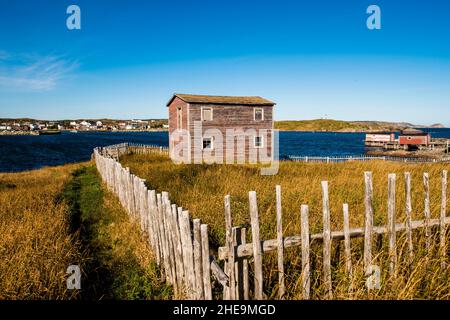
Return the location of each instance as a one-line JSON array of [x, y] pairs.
[[118, 150], [337, 159], [182, 249], [237, 252]]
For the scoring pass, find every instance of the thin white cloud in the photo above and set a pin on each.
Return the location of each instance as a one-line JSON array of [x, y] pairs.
[[33, 73]]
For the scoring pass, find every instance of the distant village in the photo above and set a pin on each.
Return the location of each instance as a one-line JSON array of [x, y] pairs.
[[31, 126]]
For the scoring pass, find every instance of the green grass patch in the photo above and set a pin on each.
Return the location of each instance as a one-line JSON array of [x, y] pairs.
[[119, 264]]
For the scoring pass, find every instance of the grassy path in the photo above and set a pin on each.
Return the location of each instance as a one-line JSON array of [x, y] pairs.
[[119, 263]]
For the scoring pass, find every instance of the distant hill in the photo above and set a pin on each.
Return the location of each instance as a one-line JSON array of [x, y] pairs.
[[345, 126]]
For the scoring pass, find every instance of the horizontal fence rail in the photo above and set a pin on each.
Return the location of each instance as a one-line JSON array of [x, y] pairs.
[[337, 159], [182, 250]]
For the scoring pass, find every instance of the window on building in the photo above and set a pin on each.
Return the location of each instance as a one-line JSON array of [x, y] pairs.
[[179, 119], [207, 143], [207, 114], [258, 114], [258, 143]]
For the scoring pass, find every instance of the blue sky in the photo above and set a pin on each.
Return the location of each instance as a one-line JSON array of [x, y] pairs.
[[314, 58]]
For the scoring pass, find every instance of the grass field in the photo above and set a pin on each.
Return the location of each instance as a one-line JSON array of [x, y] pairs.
[[55, 217], [322, 125], [36, 243], [201, 188]]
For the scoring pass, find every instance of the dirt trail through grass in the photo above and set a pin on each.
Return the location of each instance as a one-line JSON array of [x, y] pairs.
[[120, 264]]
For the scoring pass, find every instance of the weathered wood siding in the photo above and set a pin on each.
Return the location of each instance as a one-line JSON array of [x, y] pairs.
[[233, 117], [173, 107]]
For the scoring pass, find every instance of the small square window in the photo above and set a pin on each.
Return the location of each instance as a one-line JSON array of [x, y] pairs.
[[207, 114], [258, 114], [258, 142], [207, 143]]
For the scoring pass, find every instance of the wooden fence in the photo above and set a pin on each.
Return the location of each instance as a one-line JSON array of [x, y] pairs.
[[234, 251], [180, 245], [182, 249], [336, 159]]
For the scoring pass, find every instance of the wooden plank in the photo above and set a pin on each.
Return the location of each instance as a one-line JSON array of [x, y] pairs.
[[391, 224], [326, 242], [347, 245], [306, 280], [408, 212], [281, 284], [198, 262], [239, 264], [164, 242], [368, 222], [179, 248], [206, 265], [152, 219], [426, 185], [229, 292], [245, 283], [257, 251], [295, 241], [167, 229], [188, 254], [442, 231]]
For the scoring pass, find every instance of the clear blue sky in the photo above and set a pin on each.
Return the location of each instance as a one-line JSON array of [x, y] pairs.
[[313, 58]]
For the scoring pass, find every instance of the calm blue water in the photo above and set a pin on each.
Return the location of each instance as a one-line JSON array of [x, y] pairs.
[[19, 153]]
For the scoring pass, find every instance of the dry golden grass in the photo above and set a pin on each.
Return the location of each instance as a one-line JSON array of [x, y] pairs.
[[36, 245], [201, 188], [55, 217]]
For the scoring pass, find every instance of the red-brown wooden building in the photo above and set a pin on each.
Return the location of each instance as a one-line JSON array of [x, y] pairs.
[[250, 118], [414, 137]]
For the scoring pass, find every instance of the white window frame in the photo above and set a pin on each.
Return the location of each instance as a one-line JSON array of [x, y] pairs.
[[254, 114], [201, 116], [212, 143], [262, 142]]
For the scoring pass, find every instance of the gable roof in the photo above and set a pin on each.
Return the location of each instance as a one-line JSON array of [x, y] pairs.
[[229, 100]]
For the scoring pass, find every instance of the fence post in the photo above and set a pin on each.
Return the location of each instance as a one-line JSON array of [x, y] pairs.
[[306, 282], [229, 292], [442, 230], [198, 260], [257, 252], [152, 223], [326, 241], [164, 242], [188, 257], [391, 224], [206, 262], [426, 184], [280, 245], [347, 245], [238, 264], [245, 284], [408, 216], [178, 247], [368, 223]]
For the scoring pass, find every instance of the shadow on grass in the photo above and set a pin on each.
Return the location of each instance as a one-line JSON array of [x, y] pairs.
[[112, 270]]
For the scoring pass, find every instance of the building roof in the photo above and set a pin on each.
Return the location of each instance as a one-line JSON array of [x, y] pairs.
[[380, 132], [229, 100], [413, 132]]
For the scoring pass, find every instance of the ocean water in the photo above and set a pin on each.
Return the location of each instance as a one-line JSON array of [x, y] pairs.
[[19, 153]]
